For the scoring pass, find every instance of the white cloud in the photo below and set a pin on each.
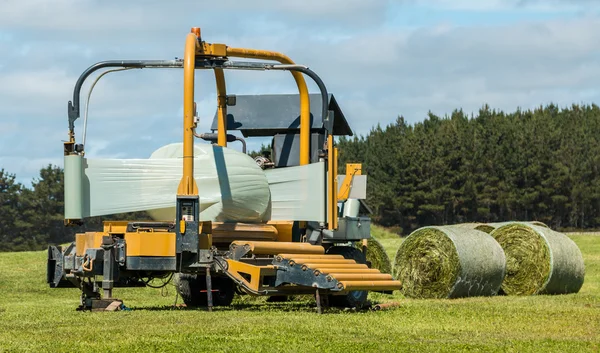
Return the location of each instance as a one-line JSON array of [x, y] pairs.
[[376, 71], [496, 5]]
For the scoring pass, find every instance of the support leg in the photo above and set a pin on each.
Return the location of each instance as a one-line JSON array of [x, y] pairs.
[[209, 298], [318, 298], [108, 272]]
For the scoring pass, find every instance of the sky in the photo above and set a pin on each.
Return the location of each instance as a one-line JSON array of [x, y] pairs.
[[380, 58]]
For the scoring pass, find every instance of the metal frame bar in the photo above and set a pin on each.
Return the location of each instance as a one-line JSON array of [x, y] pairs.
[[74, 106], [302, 90], [188, 185]]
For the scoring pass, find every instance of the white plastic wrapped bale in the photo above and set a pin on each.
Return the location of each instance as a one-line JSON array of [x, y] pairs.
[[232, 187], [294, 193]]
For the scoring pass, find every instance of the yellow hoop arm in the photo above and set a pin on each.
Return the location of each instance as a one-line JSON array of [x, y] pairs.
[[302, 90], [187, 185]]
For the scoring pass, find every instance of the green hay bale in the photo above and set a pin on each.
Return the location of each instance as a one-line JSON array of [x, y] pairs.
[[449, 262], [377, 256], [539, 260], [486, 228], [489, 227]]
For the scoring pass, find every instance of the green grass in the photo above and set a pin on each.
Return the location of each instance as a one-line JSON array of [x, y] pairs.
[[36, 318]]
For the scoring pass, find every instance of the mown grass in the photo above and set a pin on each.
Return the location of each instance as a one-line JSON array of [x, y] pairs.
[[36, 318]]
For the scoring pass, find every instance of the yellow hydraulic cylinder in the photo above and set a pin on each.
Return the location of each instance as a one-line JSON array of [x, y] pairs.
[[221, 108], [302, 89]]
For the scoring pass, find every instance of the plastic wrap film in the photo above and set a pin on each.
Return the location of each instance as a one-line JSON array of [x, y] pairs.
[[73, 172], [539, 260], [449, 262], [231, 186], [298, 193]]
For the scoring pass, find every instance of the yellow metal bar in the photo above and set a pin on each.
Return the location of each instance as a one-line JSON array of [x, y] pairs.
[[284, 229], [331, 202], [302, 90], [241, 271], [333, 263], [115, 226], [370, 285], [188, 186], [334, 197], [360, 276], [326, 270], [336, 268], [221, 108], [274, 248], [352, 169], [321, 262], [297, 257]]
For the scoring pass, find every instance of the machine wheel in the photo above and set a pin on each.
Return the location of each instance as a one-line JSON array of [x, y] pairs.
[[192, 289], [354, 299]]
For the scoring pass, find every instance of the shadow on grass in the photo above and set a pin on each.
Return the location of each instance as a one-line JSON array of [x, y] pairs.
[[253, 307]]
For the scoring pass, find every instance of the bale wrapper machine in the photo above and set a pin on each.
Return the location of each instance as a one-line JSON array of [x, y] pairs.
[[310, 252]]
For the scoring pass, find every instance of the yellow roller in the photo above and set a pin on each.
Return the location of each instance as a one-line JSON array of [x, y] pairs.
[[296, 257], [328, 270], [370, 285], [361, 276], [274, 248], [335, 266], [313, 262]]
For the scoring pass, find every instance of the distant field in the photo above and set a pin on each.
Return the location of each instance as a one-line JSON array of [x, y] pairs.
[[36, 318]]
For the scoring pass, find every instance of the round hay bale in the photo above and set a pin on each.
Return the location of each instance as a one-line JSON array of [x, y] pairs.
[[478, 226], [376, 255], [489, 227], [449, 262], [539, 260]]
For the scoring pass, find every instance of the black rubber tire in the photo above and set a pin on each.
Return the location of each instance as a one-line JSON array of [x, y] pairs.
[[190, 289], [226, 289], [354, 299]]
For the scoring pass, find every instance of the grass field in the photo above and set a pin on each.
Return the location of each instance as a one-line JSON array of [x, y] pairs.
[[36, 318]]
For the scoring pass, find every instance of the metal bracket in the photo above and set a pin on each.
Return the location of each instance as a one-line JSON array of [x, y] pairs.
[[301, 275]]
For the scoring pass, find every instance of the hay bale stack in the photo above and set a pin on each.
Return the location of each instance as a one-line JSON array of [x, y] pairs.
[[376, 255], [539, 260], [449, 262]]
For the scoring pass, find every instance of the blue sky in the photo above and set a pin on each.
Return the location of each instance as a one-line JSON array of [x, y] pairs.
[[380, 58]]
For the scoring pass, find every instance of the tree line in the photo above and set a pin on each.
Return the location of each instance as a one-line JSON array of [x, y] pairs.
[[541, 164]]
